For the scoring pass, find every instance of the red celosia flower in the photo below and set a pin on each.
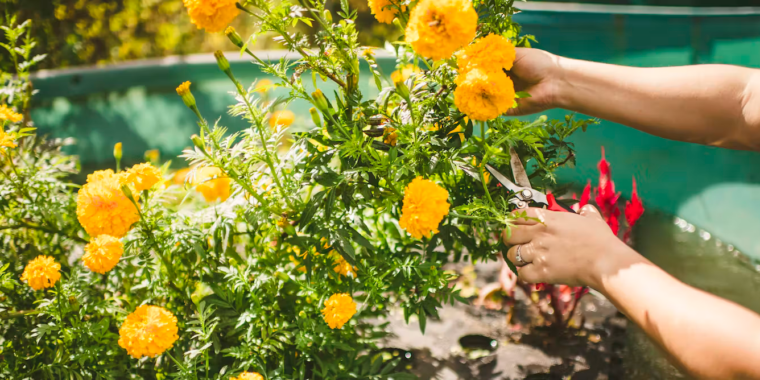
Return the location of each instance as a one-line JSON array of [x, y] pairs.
[[633, 210], [605, 196]]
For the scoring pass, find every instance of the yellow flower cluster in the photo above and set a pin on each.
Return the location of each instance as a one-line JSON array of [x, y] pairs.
[[211, 182], [425, 206], [438, 28], [102, 207], [42, 272], [7, 140], [384, 10], [6, 113], [143, 176], [284, 118], [212, 15], [249, 376], [339, 309], [491, 53], [404, 72], [342, 266], [484, 91], [390, 136], [102, 253], [484, 95], [148, 331]]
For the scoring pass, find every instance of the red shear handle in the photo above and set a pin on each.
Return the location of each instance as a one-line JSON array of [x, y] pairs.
[[556, 206]]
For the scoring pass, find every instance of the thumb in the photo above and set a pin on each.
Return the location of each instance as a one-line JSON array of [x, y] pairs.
[[591, 211]]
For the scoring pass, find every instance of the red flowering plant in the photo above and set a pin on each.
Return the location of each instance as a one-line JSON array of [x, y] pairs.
[[557, 303]]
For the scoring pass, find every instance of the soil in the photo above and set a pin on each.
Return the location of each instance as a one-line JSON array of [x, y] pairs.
[[524, 349]]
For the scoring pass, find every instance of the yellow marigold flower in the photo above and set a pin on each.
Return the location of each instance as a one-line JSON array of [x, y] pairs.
[[212, 15], [342, 266], [438, 28], [283, 117], [339, 308], [263, 85], [249, 376], [402, 74], [180, 176], [142, 176], [149, 331], [384, 10], [212, 184], [183, 88], [42, 272], [6, 113], [102, 253], [102, 208], [7, 140], [390, 136], [425, 205], [483, 95], [152, 155], [490, 53]]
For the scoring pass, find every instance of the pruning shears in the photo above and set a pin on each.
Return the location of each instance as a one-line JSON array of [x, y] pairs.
[[525, 195]]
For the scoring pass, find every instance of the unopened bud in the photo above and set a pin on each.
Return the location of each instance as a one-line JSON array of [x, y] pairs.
[[222, 61], [234, 37], [117, 151], [128, 193], [187, 97], [327, 15], [402, 90], [315, 117], [320, 101], [198, 142]]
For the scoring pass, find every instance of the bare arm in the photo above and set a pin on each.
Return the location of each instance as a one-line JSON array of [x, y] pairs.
[[715, 105], [708, 337]]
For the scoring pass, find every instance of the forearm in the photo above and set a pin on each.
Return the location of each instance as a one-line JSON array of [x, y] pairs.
[[707, 336], [707, 104]]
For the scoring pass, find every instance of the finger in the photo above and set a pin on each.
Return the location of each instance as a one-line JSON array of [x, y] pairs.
[[531, 274], [526, 254], [591, 211], [529, 216], [521, 234]]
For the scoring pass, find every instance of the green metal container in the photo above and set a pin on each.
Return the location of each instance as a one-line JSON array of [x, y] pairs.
[[717, 190]]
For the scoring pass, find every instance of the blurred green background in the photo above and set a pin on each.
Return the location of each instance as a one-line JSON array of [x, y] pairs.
[[87, 32]]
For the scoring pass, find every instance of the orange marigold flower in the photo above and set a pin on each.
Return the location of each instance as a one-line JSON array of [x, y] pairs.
[[149, 331], [42, 272], [283, 117], [438, 28], [6, 113], [263, 85], [404, 72], [212, 15], [180, 176], [483, 95], [7, 140], [384, 10], [102, 253], [249, 376], [490, 53], [142, 176], [390, 136], [212, 184], [425, 206], [102, 207], [342, 266], [339, 309]]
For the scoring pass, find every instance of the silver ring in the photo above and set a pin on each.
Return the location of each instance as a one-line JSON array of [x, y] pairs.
[[518, 257]]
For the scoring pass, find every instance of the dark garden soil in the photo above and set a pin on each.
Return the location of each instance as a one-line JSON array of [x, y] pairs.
[[471, 342]]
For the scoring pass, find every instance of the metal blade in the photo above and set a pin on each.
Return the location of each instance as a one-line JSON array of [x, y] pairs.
[[521, 177], [502, 179]]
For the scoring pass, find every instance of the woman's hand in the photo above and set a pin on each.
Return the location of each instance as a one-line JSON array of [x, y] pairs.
[[565, 248], [537, 73]]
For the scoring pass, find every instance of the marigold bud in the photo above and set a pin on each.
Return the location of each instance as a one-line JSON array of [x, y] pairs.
[[328, 15], [320, 101], [315, 117], [222, 61], [117, 151], [187, 97], [234, 37], [198, 142], [403, 90]]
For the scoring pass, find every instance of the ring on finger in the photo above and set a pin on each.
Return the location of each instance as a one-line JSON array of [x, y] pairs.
[[518, 256]]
